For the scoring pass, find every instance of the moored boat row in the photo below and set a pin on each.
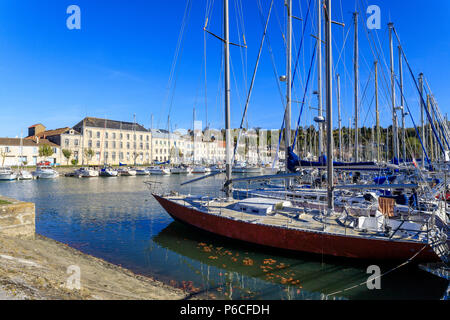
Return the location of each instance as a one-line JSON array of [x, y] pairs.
[[41, 172], [108, 171]]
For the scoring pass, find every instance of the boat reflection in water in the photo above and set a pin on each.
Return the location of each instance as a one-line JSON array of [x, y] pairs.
[[234, 270]]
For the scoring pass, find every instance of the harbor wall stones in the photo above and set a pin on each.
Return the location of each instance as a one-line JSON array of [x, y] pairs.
[[17, 218]]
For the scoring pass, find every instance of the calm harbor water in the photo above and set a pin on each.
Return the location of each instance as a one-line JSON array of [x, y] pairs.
[[116, 219]]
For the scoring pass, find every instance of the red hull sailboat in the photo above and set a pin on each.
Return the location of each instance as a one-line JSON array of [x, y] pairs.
[[285, 238], [278, 224]]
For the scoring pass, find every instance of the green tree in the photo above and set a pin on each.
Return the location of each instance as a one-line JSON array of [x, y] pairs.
[[67, 154], [74, 162], [413, 146], [89, 154], [45, 151], [135, 156]]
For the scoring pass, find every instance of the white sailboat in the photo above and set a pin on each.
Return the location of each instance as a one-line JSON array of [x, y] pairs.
[[87, 172], [181, 170], [142, 172], [158, 171], [127, 172], [6, 174], [23, 174], [215, 169], [108, 172], [201, 169], [45, 172], [244, 168]]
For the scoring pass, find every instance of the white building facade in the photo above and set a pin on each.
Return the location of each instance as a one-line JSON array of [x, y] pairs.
[[17, 152]]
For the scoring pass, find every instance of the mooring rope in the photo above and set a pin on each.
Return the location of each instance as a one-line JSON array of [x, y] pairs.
[[365, 282]]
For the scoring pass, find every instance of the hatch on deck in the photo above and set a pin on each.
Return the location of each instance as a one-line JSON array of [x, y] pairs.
[[261, 206]]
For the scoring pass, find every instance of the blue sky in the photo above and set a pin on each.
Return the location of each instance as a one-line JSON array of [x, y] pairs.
[[120, 61]]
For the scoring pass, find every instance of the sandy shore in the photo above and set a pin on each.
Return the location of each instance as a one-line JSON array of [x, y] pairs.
[[38, 269]]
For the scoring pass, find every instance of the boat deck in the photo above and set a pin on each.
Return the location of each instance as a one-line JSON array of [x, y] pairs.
[[291, 218]]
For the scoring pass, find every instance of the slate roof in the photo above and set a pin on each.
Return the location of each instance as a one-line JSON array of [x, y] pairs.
[[110, 124], [162, 134]]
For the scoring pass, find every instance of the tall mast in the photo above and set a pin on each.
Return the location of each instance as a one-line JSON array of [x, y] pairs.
[[226, 31], [430, 130], [21, 149], [373, 143], [306, 143], [394, 113], [422, 118], [377, 111], [329, 86], [310, 140], [206, 83], [400, 70], [151, 139], [387, 144], [134, 139], [193, 137], [287, 132], [319, 73], [356, 85], [104, 141], [434, 138], [168, 130], [349, 138], [338, 83]]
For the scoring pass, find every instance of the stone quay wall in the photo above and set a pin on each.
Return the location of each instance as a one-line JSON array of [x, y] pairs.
[[17, 218]]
